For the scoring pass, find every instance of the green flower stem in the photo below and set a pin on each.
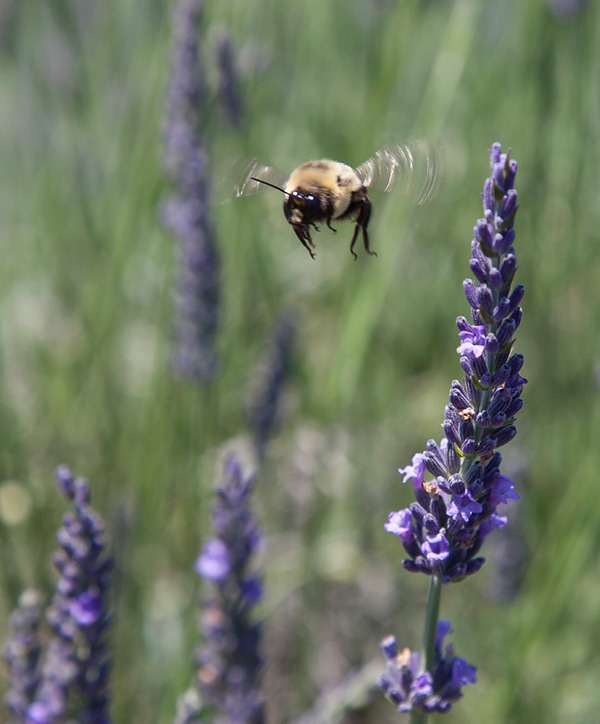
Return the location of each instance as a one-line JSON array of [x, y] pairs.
[[431, 622]]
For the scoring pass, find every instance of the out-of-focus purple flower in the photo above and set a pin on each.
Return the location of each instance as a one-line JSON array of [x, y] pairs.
[[22, 653], [456, 507], [73, 681], [228, 661], [409, 686], [562, 8], [187, 213], [228, 84], [264, 407], [213, 564]]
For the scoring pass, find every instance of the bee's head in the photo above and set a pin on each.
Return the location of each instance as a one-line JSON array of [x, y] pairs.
[[303, 205]]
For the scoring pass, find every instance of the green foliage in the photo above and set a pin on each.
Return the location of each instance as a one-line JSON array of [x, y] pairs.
[[86, 289]]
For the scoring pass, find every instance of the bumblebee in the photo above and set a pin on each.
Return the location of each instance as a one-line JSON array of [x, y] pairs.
[[323, 191]]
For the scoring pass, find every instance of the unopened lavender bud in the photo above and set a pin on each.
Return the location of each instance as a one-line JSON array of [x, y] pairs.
[[458, 397], [505, 332], [495, 279], [517, 296], [510, 174], [470, 291], [492, 345], [434, 465], [501, 310], [442, 484], [488, 195], [484, 234], [468, 447], [466, 365], [480, 368], [467, 428], [452, 431], [505, 435], [485, 447], [480, 272], [438, 509], [389, 647], [516, 363], [503, 242], [430, 524], [457, 485], [508, 267], [474, 565], [418, 512], [485, 301], [509, 207], [514, 408]]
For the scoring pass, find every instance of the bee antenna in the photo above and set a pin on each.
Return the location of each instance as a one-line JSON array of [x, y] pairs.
[[266, 183]]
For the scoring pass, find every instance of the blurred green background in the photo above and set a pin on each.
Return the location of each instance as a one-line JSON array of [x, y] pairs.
[[86, 305]]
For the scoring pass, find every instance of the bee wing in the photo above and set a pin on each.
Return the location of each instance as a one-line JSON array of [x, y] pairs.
[[412, 169], [239, 178]]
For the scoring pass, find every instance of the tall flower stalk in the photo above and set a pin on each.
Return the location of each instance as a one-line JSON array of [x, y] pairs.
[[263, 411], [187, 212], [72, 682], [458, 483], [22, 653], [226, 685]]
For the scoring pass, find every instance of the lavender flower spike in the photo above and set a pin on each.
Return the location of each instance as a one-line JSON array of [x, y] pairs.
[[22, 653], [226, 685], [456, 508], [187, 213], [228, 89], [457, 483], [74, 678]]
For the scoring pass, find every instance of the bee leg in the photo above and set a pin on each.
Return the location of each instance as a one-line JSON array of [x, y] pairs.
[[329, 226], [366, 241], [356, 228], [362, 221], [303, 234]]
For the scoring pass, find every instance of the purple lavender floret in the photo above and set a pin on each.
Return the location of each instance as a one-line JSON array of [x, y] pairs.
[[75, 674], [227, 681], [410, 687], [457, 483], [187, 213]]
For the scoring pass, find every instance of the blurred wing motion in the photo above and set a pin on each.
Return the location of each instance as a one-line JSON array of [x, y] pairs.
[[414, 169], [238, 179]]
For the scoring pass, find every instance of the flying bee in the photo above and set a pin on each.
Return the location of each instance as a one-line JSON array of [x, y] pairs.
[[323, 191]]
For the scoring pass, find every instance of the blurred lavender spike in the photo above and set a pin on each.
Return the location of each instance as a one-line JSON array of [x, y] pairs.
[[226, 685], [228, 85], [352, 695], [264, 407], [75, 674], [565, 8], [187, 212], [22, 653]]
